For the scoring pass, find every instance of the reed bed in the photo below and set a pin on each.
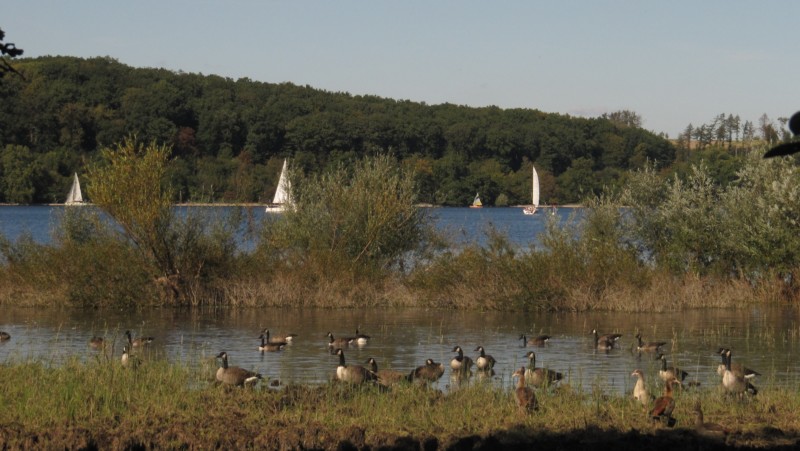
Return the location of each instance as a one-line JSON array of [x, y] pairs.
[[159, 404]]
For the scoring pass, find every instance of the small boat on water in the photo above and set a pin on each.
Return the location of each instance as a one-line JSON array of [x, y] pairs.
[[531, 209], [282, 199], [476, 203], [74, 196]]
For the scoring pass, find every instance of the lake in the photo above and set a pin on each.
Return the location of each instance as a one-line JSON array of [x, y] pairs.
[[766, 339]]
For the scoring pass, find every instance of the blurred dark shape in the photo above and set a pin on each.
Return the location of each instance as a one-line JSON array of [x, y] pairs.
[[791, 147]]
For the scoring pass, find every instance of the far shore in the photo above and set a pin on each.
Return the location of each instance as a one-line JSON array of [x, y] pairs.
[[264, 205]]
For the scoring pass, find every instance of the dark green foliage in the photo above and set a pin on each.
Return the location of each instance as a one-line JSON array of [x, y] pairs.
[[227, 134]]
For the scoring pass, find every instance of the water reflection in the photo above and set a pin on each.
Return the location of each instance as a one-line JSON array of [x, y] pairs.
[[765, 339]]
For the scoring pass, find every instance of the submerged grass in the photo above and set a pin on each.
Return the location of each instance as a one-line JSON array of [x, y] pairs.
[[168, 405]]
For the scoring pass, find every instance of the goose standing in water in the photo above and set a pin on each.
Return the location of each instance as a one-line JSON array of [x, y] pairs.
[[666, 373], [604, 342], [428, 373], [354, 374], [234, 375], [653, 346], [361, 339], [286, 339], [526, 398], [461, 364], [267, 346], [484, 362], [96, 342], [341, 342], [540, 340], [540, 377], [139, 341], [4, 336]]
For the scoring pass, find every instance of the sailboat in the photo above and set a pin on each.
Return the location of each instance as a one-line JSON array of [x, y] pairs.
[[282, 198], [476, 203], [529, 210], [74, 196]]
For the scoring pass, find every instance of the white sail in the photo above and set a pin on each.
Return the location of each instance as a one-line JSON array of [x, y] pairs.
[[74, 196], [282, 197], [534, 195]]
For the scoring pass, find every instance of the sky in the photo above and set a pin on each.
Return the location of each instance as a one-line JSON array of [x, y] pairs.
[[674, 63]]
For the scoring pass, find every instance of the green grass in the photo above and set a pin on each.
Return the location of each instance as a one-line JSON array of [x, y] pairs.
[[165, 405]]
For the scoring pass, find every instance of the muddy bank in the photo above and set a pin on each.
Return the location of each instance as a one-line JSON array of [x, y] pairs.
[[232, 435]]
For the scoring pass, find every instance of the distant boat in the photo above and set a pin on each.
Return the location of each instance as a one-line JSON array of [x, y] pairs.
[[282, 199], [476, 203], [74, 196], [529, 210]]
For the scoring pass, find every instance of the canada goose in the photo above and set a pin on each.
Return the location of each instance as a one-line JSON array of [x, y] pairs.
[[233, 375], [354, 374], [664, 405], [539, 377], [737, 368], [128, 360], [286, 339], [640, 390], [4, 336], [430, 372], [526, 398], [340, 342], [734, 382], [707, 429], [653, 346], [612, 338], [96, 342], [604, 342], [266, 346], [460, 364], [361, 339], [667, 373], [385, 377], [540, 340], [484, 362], [138, 342]]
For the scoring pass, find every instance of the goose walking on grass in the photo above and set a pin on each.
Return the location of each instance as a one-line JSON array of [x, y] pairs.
[[737, 368], [640, 390], [540, 340], [526, 398], [735, 383], [666, 373], [353, 374], [428, 373], [139, 341], [234, 375], [664, 405], [540, 377], [385, 377]]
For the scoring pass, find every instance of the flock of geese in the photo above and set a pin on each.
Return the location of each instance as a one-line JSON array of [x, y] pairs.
[[736, 378]]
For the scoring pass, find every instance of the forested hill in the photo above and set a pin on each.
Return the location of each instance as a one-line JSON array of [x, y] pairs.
[[230, 137]]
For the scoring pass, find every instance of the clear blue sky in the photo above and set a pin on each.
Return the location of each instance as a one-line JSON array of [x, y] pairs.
[[673, 62]]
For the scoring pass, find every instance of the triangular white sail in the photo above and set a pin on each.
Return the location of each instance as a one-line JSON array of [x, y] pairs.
[[534, 195], [282, 197], [74, 196]]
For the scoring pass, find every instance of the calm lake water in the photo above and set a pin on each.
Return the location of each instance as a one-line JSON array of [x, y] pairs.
[[764, 339]]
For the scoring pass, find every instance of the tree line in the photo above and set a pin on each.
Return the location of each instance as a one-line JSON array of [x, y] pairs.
[[228, 137]]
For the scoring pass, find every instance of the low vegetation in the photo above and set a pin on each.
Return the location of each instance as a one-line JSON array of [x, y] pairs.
[[100, 404], [355, 240]]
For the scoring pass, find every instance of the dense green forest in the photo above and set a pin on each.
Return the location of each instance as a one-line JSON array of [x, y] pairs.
[[229, 137]]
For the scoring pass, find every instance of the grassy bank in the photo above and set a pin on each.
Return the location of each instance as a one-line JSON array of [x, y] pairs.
[[171, 405]]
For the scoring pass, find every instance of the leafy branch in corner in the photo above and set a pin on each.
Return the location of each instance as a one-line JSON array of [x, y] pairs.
[[12, 51]]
